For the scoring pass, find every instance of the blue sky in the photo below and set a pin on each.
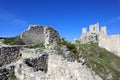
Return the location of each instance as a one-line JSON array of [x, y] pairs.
[[66, 16]]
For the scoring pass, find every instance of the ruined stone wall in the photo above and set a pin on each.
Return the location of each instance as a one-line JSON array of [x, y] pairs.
[[87, 38], [84, 30], [8, 55], [92, 35], [34, 35], [1, 41], [39, 35], [111, 43], [51, 35], [94, 29]]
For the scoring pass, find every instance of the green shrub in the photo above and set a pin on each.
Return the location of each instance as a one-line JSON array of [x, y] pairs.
[[72, 47], [13, 77], [13, 41], [40, 46]]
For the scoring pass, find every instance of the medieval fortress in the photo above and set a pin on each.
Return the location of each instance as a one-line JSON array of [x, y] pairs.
[[111, 42]]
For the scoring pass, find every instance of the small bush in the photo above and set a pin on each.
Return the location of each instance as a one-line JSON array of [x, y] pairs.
[[13, 77], [40, 46], [13, 41], [72, 47]]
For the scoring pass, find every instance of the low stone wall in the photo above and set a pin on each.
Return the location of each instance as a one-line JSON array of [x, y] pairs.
[[13, 57], [9, 54]]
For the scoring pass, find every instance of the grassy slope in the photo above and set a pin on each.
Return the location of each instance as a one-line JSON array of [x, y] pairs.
[[100, 60], [13, 41]]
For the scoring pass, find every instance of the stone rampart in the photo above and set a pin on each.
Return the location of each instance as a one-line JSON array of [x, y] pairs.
[[111, 43]]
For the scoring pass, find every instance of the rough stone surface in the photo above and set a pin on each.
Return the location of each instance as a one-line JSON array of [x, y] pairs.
[[93, 34], [6, 72], [111, 43], [34, 64], [58, 68], [39, 63], [1, 41], [8, 55], [37, 34]]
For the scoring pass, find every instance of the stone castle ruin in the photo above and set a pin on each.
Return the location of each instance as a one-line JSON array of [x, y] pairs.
[[37, 34], [111, 42]]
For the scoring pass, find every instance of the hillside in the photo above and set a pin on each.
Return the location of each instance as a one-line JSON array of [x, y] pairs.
[[87, 61], [103, 62]]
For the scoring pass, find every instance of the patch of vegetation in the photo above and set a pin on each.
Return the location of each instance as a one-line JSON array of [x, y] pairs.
[[13, 77], [40, 46], [13, 41], [100, 60], [72, 48]]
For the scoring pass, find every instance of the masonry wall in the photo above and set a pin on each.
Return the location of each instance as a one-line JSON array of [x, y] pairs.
[[8, 55], [39, 35], [111, 43], [51, 35], [34, 35]]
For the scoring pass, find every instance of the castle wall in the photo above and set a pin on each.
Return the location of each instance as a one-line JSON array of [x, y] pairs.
[[87, 38], [35, 35], [111, 43], [84, 30], [50, 35], [103, 30], [94, 29], [39, 35]]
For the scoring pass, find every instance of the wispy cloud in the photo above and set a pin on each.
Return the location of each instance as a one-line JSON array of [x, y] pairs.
[[114, 20], [10, 18]]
